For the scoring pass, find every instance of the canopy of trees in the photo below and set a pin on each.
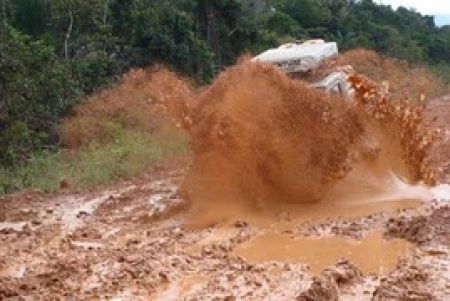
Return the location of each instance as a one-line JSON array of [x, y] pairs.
[[53, 52]]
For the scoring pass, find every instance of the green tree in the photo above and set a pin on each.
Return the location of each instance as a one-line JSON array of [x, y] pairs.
[[36, 91], [160, 32]]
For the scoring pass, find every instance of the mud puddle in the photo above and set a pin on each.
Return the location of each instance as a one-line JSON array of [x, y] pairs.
[[373, 254]]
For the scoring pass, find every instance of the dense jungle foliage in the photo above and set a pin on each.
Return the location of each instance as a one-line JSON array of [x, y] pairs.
[[54, 52]]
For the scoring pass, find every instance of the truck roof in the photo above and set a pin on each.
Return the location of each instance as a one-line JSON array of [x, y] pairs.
[[294, 57]]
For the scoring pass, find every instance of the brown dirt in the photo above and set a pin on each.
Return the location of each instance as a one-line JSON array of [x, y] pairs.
[[406, 283], [423, 229], [326, 285]]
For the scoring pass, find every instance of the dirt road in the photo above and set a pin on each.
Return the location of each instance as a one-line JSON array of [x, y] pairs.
[[129, 242]]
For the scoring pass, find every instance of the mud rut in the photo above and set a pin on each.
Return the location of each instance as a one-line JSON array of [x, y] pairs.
[[129, 242]]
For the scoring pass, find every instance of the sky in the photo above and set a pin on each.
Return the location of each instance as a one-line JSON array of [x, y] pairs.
[[438, 8]]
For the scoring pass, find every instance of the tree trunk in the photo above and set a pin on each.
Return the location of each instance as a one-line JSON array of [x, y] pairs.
[[105, 12], [68, 34], [210, 28], [4, 20]]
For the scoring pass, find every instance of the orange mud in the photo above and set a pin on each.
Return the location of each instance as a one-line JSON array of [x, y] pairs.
[[135, 104], [260, 138]]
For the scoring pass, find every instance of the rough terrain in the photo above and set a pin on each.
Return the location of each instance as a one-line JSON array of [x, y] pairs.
[[130, 242]]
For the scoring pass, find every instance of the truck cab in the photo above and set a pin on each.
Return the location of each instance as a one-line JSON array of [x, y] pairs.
[[298, 58]]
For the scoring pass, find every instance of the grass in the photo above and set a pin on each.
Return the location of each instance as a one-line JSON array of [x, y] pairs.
[[128, 154]]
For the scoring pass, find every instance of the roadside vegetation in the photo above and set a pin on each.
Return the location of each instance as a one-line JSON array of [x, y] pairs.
[[115, 134]]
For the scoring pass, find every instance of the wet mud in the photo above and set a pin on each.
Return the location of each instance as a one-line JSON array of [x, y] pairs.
[[133, 246], [135, 240], [434, 228], [326, 286]]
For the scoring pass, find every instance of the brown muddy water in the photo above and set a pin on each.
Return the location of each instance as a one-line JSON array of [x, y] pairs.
[[373, 254]]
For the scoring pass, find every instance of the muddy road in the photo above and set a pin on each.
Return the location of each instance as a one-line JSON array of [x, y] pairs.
[[131, 242]]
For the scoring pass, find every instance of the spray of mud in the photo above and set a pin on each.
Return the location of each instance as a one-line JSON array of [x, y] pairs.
[[260, 138]]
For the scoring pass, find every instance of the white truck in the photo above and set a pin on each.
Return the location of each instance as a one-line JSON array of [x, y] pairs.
[[303, 57]]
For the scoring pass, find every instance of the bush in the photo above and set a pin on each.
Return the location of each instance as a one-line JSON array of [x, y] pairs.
[[116, 133], [29, 113], [443, 71]]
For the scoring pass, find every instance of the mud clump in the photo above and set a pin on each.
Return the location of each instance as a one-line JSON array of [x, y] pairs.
[[422, 229], [326, 285], [259, 138], [406, 284]]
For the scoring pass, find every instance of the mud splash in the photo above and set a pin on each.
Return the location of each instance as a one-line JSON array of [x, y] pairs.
[[260, 138], [321, 252]]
